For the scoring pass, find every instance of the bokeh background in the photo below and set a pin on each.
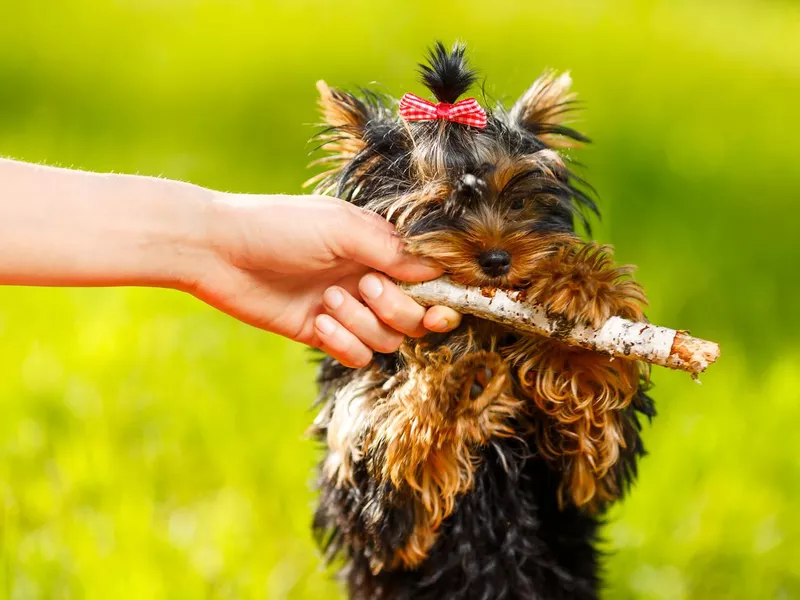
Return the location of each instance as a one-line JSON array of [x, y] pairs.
[[153, 448]]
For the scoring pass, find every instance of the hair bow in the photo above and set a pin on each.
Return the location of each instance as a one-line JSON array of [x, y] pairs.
[[466, 112]]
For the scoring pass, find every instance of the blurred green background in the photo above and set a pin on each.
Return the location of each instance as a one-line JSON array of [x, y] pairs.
[[153, 448]]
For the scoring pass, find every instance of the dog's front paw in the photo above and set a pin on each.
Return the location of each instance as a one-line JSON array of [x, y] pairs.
[[480, 379], [582, 283]]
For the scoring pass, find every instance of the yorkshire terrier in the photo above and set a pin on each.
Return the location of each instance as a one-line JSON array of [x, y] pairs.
[[477, 463]]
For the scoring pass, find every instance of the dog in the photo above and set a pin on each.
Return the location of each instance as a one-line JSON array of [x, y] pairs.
[[477, 463]]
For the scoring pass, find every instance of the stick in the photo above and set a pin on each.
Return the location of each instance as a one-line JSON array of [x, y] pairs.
[[618, 337]]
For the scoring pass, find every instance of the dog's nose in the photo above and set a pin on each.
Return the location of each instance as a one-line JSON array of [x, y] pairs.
[[495, 262]]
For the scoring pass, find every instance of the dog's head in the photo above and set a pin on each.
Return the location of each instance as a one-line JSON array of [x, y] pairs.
[[485, 202]]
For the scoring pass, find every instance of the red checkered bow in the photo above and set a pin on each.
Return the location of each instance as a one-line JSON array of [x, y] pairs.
[[466, 112]]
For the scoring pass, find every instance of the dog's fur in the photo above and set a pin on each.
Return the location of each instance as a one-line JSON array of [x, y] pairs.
[[475, 464]]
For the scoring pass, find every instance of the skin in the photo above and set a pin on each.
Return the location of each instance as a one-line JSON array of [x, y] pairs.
[[311, 268]]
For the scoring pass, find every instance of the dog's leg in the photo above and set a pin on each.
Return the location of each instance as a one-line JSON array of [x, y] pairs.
[[428, 430], [589, 399], [358, 515], [402, 448]]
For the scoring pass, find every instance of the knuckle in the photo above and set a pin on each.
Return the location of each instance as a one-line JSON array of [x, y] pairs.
[[347, 318], [389, 312]]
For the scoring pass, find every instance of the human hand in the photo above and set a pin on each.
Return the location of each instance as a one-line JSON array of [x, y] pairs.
[[301, 266], [292, 265]]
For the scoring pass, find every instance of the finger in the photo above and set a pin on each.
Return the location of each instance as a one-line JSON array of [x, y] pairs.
[[441, 319], [391, 305], [361, 321], [340, 343], [372, 241]]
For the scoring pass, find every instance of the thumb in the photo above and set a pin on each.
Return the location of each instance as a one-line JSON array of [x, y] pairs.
[[370, 240]]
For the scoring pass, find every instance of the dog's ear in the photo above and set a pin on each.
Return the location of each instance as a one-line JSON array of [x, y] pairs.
[[343, 111], [346, 119], [545, 109]]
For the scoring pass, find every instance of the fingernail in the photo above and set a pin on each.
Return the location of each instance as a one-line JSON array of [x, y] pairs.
[[442, 325], [325, 324], [371, 287], [332, 298]]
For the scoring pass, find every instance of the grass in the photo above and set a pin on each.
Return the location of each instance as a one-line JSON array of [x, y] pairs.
[[152, 448]]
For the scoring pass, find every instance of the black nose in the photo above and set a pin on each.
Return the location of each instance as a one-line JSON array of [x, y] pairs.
[[495, 262]]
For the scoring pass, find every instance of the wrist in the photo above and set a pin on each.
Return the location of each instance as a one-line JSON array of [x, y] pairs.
[[176, 246]]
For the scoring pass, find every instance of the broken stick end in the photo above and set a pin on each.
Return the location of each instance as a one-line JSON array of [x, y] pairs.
[[692, 352]]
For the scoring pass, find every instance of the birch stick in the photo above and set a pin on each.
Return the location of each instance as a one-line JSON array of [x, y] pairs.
[[618, 337]]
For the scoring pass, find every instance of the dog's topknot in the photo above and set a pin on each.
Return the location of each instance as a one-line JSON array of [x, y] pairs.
[[447, 74]]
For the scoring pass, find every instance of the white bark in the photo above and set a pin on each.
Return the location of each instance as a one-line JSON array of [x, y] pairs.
[[617, 337]]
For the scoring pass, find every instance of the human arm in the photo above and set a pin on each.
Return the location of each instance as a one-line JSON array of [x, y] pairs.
[[267, 260]]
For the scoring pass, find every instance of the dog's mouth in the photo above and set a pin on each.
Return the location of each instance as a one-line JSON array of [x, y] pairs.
[[501, 263], [476, 278]]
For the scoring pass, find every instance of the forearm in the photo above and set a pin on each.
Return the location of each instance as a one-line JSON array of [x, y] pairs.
[[71, 228]]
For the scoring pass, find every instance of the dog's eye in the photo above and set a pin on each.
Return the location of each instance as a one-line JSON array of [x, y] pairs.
[[518, 204]]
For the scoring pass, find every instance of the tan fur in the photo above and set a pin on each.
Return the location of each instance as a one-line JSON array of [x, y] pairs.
[[457, 252], [404, 208], [548, 161], [580, 281], [343, 112], [435, 187], [488, 228], [416, 549], [546, 105], [431, 426], [581, 392]]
